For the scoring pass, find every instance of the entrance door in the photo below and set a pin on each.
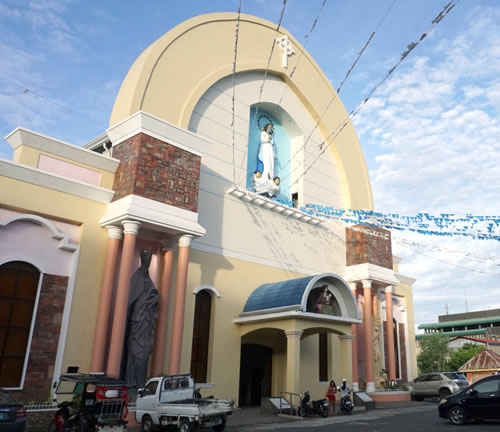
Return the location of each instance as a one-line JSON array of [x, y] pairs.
[[255, 374]]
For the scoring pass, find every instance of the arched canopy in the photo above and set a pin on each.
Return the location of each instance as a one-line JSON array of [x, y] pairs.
[[293, 296]]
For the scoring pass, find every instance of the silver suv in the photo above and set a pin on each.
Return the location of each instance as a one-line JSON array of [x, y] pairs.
[[440, 384]]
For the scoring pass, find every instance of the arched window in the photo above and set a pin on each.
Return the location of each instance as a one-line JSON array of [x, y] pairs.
[[18, 287], [201, 336]]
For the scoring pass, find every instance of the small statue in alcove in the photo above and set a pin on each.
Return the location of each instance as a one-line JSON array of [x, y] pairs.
[[263, 180], [324, 302]]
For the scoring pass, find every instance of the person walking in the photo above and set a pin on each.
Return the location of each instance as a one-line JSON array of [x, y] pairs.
[[330, 395]]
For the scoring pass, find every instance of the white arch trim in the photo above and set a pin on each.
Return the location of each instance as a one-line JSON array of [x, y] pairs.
[[208, 288], [6, 259], [345, 298], [56, 234]]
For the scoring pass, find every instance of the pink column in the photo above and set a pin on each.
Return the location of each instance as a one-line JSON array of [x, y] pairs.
[[354, 330], [130, 229], [391, 356], [161, 322], [108, 280], [179, 304], [367, 294], [375, 305]]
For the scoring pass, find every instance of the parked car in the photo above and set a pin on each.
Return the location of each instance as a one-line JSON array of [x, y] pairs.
[[440, 384], [12, 414], [480, 401]]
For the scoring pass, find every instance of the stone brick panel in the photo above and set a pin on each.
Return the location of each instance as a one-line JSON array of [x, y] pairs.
[[157, 170], [368, 245], [43, 350]]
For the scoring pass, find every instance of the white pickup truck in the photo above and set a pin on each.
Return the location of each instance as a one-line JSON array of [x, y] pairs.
[[170, 400]]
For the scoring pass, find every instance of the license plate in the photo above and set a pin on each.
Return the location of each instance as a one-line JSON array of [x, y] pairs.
[[4, 416]]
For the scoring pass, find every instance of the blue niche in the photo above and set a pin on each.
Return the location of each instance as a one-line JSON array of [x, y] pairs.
[[282, 147]]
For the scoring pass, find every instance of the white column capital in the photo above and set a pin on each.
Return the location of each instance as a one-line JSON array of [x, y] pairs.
[[185, 240], [367, 283], [293, 334], [389, 289], [131, 227], [114, 232], [353, 286], [345, 338]]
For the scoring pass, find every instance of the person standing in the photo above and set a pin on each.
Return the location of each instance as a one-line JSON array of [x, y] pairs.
[[330, 395]]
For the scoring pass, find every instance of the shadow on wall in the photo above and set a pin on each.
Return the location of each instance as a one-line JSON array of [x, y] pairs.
[[211, 215]]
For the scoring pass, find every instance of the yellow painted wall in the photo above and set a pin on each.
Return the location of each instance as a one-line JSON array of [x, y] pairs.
[[235, 279], [49, 203]]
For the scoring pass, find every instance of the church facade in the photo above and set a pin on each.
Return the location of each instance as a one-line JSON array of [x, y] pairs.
[[210, 163]]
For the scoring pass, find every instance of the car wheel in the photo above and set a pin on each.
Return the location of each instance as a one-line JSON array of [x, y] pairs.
[[185, 425], [147, 424], [457, 415], [417, 398], [444, 392]]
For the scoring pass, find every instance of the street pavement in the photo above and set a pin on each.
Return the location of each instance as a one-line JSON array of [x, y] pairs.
[[414, 417]]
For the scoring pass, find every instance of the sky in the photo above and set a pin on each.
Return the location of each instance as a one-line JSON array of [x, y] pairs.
[[430, 133]]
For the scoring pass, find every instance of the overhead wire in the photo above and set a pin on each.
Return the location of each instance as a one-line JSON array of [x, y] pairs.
[[476, 270], [236, 38], [410, 47], [364, 48], [306, 38], [29, 90], [335, 96], [450, 251]]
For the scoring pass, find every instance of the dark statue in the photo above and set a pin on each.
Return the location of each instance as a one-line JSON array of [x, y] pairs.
[[141, 322]]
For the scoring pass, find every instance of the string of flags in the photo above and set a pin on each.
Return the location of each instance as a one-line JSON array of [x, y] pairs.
[[445, 224]]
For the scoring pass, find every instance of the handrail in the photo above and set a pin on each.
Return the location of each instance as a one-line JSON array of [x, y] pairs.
[[290, 406]]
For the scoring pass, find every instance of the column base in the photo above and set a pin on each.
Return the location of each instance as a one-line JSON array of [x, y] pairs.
[[370, 387], [355, 386]]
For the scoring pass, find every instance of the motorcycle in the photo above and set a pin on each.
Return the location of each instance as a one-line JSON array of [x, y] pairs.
[[319, 407], [99, 402], [346, 404]]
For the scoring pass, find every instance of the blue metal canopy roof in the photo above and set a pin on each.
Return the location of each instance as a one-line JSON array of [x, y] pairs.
[[277, 295]]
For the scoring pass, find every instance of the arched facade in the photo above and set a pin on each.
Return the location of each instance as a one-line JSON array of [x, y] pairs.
[[177, 171]]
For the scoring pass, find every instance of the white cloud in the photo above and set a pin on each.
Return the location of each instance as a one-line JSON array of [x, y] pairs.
[[438, 149]]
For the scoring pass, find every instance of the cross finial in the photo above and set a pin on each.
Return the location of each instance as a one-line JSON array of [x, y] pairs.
[[287, 49]]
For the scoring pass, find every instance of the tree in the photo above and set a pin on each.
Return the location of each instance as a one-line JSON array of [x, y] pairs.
[[433, 352], [463, 355]]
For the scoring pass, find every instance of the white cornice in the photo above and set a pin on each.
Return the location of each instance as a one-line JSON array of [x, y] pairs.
[[370, 272], [405, 279], [22, 136], [97, 142], [295, 315], [260, 201], [40, 178], [154, 215], [157, 128]]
